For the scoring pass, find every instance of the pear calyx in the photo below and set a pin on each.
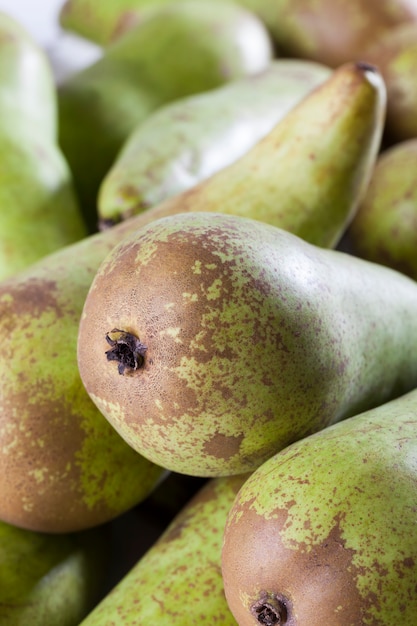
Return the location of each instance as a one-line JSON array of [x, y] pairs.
[[271, 610], [126, 348]]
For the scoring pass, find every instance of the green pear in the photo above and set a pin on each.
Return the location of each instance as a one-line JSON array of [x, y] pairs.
[[187, 141], [384, 228], [175, 51], [27, 88], [309, 173], [39, 212], [178, 581], [211, 341], [40, 309], [324, 532], [50, 580]]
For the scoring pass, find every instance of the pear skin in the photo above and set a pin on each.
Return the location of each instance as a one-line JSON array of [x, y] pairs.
[[384, 228], [187, 141], [395, 54], [178, 581], [332, 32], [50, 579], [309, 173], [27, 88], [324, 532], [39, 211], [177, 50], [60, 283], [211, 341]]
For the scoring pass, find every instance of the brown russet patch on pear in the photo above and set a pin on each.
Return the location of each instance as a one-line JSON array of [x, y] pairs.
[[317, 582]]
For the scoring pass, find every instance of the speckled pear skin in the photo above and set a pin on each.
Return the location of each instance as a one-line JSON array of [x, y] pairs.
[[384, 228], [60, 284], [309, 173], [178, 582], [177, 50], [63, 468], [39, 211], [188, 140], [325, 531], [254, 338], [48, 579]]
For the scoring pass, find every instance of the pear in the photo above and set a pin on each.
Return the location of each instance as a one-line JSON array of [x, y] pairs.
[[178, 581], [27, 92], [57, 431], [187, 141], [324, 532], [211, 341], [39, 211], [174, 51], [330, 31], [48, 579], [384, 228], [309, 173]]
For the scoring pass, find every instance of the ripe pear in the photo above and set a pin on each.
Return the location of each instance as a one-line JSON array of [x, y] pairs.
[[330, 31], [41, 308], [48, 579], [39, 212], [187, 141], [211, 341], [324, 532], [175, 51], [178, 581], [309, 173], [384, 228]]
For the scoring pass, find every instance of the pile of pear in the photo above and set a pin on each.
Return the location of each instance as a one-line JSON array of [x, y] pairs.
[[208, 380]]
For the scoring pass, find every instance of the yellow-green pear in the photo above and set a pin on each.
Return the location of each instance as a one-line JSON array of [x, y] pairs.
[[178, 581], [211, 341], [39, 211], [175, 50], [325, 531], [384, 228], [48, 579], [190, 139], [98, 476]]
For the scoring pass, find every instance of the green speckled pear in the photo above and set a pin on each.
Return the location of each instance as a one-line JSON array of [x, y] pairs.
[[39, 212], [178, 582], [175, 51], [188, 140], [50, 580], [325, 531], [212, 341], [44, 305], [384, 228]]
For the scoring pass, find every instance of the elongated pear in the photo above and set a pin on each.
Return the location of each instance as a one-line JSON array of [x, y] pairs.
[[39, 212], [48, 579], [212, 341], [187, 141], [309, 173], [384, 229], [178, 582], [324, 532], [174, 51], [44, 304]]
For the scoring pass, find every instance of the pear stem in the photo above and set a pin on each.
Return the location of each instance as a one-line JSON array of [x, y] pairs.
[[126, 349]]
